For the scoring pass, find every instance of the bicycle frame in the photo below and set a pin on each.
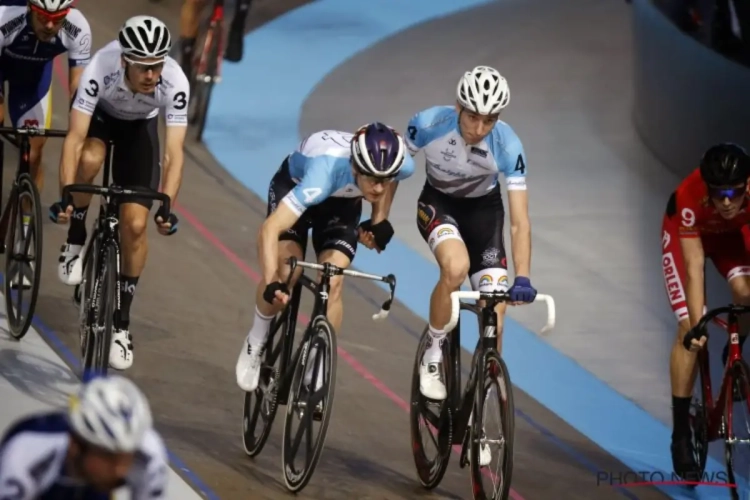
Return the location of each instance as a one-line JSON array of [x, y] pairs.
[[719, 409], [215, 28]]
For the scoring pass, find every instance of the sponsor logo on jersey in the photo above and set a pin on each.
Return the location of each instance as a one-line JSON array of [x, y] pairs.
[[479, 152], [13, 25], [485, 280], [516, 183], [502, 282], [71, 29], [445, 232], [672, 280]]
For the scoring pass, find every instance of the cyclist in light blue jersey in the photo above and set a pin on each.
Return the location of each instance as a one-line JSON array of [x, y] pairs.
[[461, 213], [321, 186]]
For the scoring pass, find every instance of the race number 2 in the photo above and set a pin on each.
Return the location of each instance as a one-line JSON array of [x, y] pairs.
[[688, 217]]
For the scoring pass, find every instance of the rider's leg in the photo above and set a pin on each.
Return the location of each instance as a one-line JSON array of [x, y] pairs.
[[189, 24], [135, 162], [291, 244], [237, 31], [682, 363], [70, 267]]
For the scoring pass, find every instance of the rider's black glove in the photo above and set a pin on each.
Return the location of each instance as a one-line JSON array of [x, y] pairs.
[[59, 206], [382, 232], [269, 294], [171, 218]]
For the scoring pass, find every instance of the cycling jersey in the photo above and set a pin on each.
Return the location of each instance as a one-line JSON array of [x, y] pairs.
[[26, 62], [321, 169], [103, 84], [19, 43], [459, 169], [697, 213], [32, 461], [690, 213]]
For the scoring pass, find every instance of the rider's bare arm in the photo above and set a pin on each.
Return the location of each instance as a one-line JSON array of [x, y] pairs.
[[174, 160], [279, 221], [73, 145], [74, 77], [694, 257], [382, 208], [520, 231]]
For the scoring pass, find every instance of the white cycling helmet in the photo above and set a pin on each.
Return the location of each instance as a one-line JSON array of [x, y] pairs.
[[52, 5], [145, 36], [110, 413], [483, 90]]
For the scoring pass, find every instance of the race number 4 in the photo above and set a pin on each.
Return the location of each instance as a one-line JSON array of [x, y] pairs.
[[311, 194], [688, 217]]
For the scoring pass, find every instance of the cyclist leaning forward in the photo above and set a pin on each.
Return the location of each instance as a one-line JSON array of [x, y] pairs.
[[122, 91], [32, 34], [460, 211], [706, 216], [321, 186]]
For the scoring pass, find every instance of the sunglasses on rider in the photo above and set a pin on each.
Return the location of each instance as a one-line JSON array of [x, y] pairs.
[[143, 67], [49, 17], [719, 193]]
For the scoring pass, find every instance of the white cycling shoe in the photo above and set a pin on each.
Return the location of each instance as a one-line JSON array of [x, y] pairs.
[[121, 351], [248, 365], [70, 267], [430, 384]]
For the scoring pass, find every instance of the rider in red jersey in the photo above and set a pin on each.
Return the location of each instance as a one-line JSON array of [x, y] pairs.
[[707, 216]]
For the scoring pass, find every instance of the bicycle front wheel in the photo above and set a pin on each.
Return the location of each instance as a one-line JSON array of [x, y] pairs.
[[104, 304], [491, 451], [23, 263], [310, 401]]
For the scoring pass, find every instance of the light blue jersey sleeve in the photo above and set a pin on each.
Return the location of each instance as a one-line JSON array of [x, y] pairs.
[[429, 124], [316, 184], [509, 156], [407, 169]]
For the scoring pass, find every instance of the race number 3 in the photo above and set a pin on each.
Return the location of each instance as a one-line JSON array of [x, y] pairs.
[[688, 217], [180, 100], [93, 88]]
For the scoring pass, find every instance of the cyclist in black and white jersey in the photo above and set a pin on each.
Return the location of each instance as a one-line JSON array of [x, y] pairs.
[[104, 441], [119, 98], [32, 34]]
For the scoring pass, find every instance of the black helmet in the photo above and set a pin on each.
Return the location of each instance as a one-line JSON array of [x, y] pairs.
[[725, 164]]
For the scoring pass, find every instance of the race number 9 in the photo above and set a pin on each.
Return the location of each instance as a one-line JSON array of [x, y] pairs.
[[180, 100], [688, 217]]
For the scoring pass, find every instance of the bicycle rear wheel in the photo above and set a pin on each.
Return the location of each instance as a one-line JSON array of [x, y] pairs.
[[738, 413], [23, 251], [492, 458], [699, 418], [201, 89], [261, 405], [436, 419], [309, 401]]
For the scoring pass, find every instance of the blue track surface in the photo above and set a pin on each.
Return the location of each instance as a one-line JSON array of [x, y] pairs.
[[253, 124]]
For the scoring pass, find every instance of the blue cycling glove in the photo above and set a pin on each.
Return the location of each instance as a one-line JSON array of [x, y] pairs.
[[522, 291]]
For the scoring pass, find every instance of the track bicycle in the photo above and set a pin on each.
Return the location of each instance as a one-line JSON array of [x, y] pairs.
[[22, 244], [461, 418], [713, 419], [98, 294], [206, 68], [286, 378]]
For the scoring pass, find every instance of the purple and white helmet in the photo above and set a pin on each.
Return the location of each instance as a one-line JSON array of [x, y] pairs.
[[378, 150]]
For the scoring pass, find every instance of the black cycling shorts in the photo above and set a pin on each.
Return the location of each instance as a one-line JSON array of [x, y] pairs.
[[478, 222], [334, 221], [136, 155]]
